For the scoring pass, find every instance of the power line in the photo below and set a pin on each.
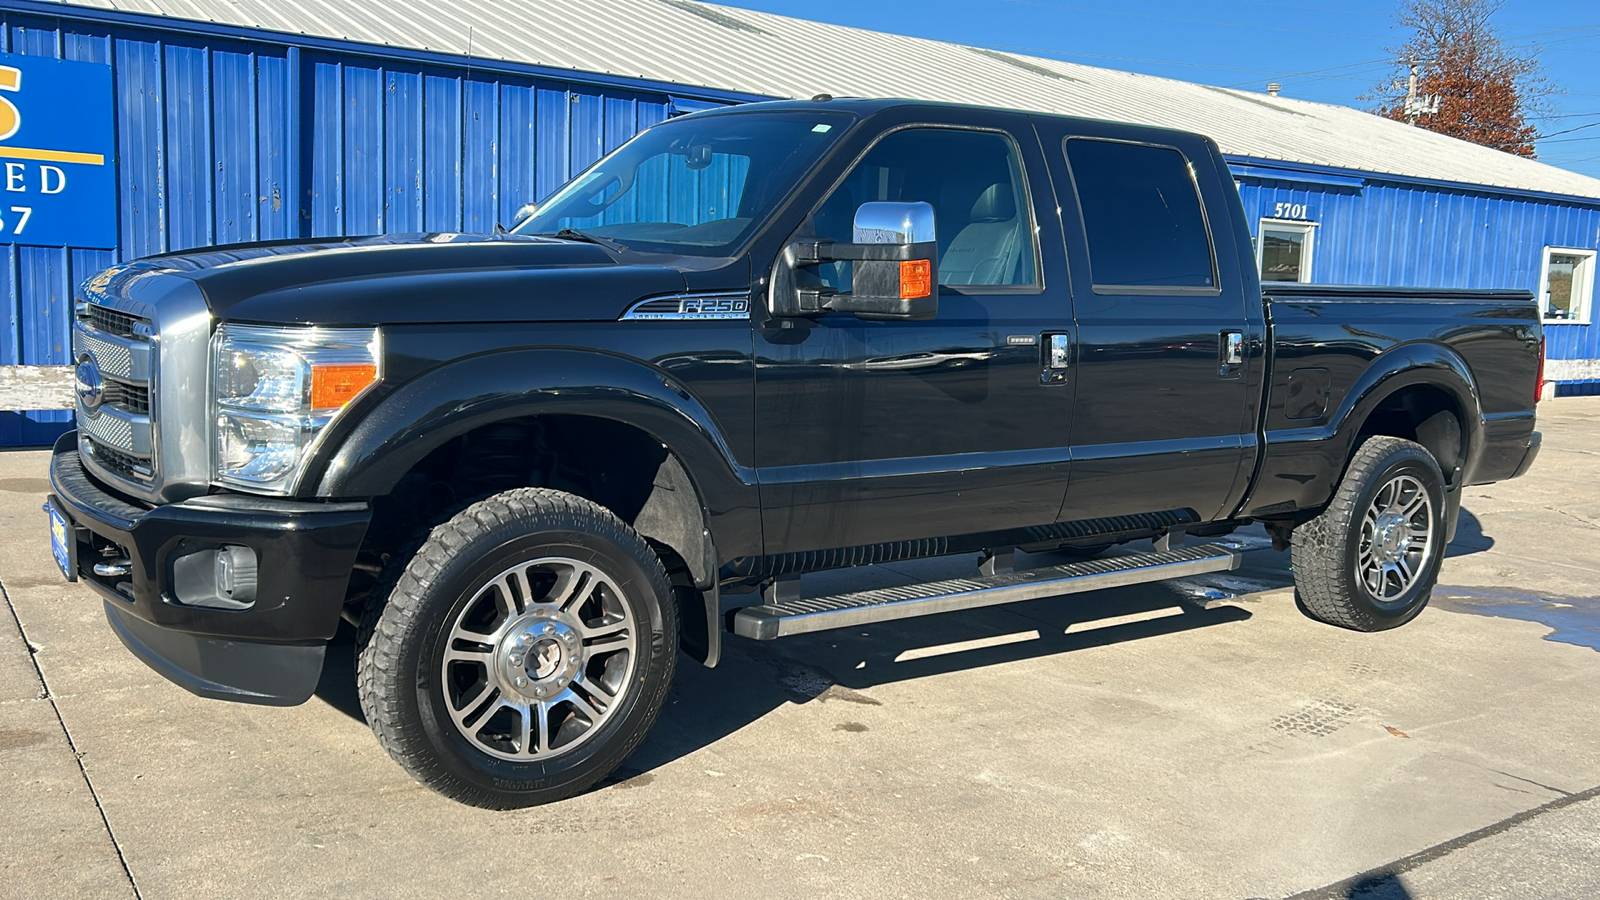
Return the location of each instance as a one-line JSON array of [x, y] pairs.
[[1320, 71], [1164, 18], [1568, 131], [1052, 53]]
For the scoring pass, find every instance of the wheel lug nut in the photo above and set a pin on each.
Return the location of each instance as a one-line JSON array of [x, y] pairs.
[[549, 627], [522, 682], [525, 638]]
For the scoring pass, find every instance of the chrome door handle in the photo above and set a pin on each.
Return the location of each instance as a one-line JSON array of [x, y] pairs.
[[1057, 358], [1233, 348], [1231, 354]]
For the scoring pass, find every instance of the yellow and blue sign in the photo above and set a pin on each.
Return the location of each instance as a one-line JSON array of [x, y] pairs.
[[57, 157]]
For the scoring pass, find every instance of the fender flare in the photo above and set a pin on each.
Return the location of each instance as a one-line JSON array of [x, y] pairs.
[[423, 414], [1409, 365]]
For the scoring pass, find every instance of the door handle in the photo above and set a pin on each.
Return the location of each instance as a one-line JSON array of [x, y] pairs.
[[1231, 349], [1057, 358]]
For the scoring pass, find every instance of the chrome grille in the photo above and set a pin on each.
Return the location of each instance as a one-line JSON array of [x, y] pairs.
[[115, 358], [108, 430], [112, 321], [123, 465], [149, 331], [134, 398], [117, 433]]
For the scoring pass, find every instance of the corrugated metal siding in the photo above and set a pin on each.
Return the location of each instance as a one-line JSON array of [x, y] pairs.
[[1395, 234], [223, 141]]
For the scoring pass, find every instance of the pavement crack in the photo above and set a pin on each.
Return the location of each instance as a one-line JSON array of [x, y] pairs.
[[1343, 889], [77, 754]]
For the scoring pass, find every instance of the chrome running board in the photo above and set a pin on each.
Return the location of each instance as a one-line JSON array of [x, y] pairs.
[[799, 616]]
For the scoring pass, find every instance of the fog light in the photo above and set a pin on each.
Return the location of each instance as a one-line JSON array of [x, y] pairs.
[[236, 574], [216, 579]]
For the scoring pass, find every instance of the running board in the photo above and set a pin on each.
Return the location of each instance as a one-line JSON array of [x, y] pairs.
[[799, 616]]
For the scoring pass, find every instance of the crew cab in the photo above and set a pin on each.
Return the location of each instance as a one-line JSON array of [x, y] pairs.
[[749, 344]]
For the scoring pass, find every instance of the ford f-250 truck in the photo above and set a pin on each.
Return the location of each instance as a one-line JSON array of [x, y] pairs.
[[749, 344]]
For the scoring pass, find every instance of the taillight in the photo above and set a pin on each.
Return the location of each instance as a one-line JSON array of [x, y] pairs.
[[1538, 382]]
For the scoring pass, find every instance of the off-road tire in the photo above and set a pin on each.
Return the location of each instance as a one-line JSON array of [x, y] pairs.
[[401, 643], [1327, 549]]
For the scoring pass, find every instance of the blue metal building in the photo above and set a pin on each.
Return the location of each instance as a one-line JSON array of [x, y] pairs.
[[239, 120]]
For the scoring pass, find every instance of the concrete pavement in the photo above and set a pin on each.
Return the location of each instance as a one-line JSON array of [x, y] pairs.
[[1201, 739]]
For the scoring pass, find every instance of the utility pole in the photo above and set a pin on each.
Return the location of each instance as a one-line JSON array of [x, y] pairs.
[[1418, 106]]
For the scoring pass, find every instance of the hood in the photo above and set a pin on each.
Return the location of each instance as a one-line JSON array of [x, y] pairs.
[[417, 279]]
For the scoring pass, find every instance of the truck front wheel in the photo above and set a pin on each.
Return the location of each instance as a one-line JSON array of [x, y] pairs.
[[1370, 561], [523, 652]]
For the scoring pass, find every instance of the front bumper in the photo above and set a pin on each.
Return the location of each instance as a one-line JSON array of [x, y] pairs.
[[270, 652]]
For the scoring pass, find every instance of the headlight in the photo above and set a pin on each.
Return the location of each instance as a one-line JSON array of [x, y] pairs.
[[274, 391]]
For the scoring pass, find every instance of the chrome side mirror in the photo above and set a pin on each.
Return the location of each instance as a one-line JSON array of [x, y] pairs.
[[884, 222], [524, 213], [894, 272]]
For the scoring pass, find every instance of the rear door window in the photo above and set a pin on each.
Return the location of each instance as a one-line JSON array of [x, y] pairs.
[[1141, 215]]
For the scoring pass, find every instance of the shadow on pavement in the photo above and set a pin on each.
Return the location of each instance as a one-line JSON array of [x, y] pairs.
[[1387, 886], [1470, 538], [755, 678]]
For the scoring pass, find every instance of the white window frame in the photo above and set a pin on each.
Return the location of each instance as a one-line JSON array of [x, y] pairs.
[[1308, 229], [1582, 287]]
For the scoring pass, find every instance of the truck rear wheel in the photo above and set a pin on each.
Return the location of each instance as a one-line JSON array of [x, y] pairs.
[[523, 652], [1370, 561]]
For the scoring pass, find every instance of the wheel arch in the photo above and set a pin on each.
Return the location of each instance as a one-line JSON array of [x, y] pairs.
[[1422, 392], [694, 501]]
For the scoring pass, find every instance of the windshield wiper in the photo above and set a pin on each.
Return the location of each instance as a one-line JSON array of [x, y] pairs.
[[573, 234]]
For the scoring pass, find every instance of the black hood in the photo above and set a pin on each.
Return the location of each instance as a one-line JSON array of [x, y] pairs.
[[417, 279]]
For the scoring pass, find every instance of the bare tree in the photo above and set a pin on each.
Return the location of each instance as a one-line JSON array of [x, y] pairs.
[[1487, 90]]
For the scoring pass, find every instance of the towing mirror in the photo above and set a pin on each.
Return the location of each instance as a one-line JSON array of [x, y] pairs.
[[895, 271]]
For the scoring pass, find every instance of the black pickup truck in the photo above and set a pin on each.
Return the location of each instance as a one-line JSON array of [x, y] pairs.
[[749, 344]]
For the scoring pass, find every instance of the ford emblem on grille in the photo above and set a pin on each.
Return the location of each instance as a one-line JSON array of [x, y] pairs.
[[91, 390]]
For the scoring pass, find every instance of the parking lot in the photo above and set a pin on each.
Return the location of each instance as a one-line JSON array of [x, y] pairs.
[[1197, 739]]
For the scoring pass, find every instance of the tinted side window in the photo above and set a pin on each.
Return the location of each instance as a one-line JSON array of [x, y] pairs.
[[1141, 212], [974, 181]]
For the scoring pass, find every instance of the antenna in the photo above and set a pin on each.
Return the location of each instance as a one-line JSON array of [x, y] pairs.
[[469, 53]]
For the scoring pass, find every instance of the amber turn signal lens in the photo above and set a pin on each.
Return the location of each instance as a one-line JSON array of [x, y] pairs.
[[334, 386], [916, 279]]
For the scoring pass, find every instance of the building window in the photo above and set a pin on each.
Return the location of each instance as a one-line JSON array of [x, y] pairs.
[[1566, 289], [1284, 250]]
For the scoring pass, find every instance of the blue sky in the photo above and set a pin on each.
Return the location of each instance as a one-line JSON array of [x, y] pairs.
[[1246, 43]]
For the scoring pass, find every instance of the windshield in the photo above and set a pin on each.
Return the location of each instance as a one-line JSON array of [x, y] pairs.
[[695, 186]]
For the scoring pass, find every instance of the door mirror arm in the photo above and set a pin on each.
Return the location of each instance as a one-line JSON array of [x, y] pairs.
[[894, 272]]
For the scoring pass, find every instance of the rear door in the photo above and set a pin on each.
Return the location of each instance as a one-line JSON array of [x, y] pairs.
[[877, 431], [1167, 349]]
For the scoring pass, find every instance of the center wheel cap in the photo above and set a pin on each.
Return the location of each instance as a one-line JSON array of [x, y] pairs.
[[539, 655], [1394, 537]]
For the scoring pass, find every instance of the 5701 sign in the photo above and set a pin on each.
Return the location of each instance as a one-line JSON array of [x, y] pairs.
[[57, 164]]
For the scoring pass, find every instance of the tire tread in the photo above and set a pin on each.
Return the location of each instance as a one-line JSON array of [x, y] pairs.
[[1322, 585], [390, 618]]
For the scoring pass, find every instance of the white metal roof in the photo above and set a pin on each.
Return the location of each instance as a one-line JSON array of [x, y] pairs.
[[698, 44]]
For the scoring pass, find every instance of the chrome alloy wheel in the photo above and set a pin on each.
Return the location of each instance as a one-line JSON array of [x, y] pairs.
[[1397, 535], [538, 659]]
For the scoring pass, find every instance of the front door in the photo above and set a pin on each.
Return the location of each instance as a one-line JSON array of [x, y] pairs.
[[1169, 327], [876, 431]]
